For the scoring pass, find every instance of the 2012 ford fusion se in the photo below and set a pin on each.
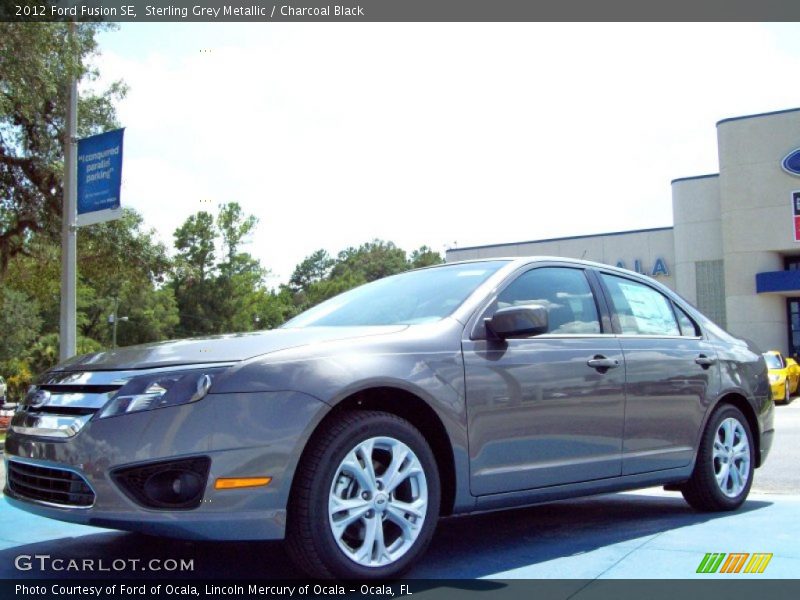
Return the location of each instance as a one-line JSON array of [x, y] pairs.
[[351, 429]]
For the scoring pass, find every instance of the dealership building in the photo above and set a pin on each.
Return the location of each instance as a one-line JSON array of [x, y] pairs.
[[734, 247]]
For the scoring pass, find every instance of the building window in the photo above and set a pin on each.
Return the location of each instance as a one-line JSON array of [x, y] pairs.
[[791, 263], [710, 277], [793, 307]]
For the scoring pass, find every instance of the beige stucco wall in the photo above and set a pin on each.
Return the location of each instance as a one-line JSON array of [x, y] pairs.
[[698, 229], [757, 230]]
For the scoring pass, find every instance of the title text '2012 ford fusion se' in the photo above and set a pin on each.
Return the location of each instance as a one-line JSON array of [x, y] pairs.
[[351, 429]]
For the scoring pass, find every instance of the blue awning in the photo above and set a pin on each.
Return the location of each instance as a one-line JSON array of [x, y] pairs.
[[778, 282]]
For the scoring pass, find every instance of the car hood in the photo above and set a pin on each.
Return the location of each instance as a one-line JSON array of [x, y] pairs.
[[217, 349]]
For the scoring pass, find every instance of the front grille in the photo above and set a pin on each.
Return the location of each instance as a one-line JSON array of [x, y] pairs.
[[46, 484]]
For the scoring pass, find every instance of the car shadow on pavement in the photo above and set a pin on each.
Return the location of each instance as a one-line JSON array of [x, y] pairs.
[[484, 545], [463, 547]]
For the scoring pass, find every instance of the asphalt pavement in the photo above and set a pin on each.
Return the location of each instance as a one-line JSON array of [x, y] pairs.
[[644, 534]]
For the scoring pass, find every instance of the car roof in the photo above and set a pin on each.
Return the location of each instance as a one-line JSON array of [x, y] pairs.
[[523, 260]]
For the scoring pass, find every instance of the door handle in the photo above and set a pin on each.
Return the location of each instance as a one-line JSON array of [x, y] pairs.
[[704, 361], [601, 363]]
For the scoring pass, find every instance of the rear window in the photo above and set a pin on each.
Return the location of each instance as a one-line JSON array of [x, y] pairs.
[[640, 309]]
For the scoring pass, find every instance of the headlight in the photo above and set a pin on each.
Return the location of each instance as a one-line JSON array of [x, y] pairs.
[[160, 390], [774, 378]]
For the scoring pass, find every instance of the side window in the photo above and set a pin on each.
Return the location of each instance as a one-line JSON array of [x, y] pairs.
[[564, 292], [641, 310], [688, 327]]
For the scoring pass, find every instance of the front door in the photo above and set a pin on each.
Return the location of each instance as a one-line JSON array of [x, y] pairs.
[[538, 413]]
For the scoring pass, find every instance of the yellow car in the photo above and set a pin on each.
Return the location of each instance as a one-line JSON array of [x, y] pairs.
[[784, 375]]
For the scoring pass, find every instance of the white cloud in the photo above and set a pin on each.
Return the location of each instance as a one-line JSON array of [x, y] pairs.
[[432, 133]]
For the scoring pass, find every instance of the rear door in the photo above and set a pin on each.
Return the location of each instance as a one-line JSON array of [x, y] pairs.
[[671, 372], [539, 413]]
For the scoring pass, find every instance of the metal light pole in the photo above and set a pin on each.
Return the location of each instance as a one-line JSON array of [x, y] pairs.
[[113, 318], [67, 326]]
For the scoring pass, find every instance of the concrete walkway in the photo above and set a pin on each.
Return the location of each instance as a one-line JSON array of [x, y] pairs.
[[651, 534]]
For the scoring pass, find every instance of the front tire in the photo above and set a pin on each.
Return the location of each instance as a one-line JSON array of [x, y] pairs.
[[365, 500], [723, 472]]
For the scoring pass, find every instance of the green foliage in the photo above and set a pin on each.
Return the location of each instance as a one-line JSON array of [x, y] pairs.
[[424, 257], [37, 274], [44, 353], [313, 269], [219, 297], [17, 372], [152, 315], [194, 241], [37, 61], [234, 228], [319, 277], [273, 308], [119, 261], [19, 324], [370, 261], [116, 261]]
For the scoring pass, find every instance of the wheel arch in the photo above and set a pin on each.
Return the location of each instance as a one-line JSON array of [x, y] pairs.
[[740, 402], [415, 410]]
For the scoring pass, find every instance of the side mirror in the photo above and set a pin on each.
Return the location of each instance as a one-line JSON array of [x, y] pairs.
[[527, 320]]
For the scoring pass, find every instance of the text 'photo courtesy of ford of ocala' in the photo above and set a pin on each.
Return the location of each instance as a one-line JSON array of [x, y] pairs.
[[351, 429]]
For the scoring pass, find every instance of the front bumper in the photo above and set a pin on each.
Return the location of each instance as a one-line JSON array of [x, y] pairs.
[[244, 435], [778, 389]]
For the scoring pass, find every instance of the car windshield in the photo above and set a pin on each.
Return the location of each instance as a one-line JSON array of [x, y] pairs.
[[773, 361], [413, 297]]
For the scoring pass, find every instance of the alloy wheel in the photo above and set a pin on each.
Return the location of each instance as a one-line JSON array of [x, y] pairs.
[[378, 501], [731, 456]]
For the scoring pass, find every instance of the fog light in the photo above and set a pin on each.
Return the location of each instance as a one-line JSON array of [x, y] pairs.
[[175, 484], [173, 487]]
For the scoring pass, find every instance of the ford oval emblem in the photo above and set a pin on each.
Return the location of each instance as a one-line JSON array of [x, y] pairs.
[[791, 163]]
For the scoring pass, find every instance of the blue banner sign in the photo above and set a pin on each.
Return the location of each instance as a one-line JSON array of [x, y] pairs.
[[99, 177]]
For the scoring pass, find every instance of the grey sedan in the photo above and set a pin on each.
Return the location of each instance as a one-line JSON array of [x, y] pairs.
[[351, 429]]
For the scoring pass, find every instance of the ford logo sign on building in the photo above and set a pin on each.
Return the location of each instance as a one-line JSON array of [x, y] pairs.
[[791, 163]]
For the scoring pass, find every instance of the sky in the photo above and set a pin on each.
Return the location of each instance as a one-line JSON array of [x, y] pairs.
[[447, 135]]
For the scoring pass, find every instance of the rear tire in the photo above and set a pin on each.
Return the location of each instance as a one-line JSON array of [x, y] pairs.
[[723, 471], [366, 497]]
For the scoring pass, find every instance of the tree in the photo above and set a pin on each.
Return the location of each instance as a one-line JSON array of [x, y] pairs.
[[312, 269], [152, 315], [319, 277], [44, 353], [37, 61], [370, 261], [219, 297], [19, 324], [37, 273], [194, 241], [424, 257], [234, 228], [119, 261]]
